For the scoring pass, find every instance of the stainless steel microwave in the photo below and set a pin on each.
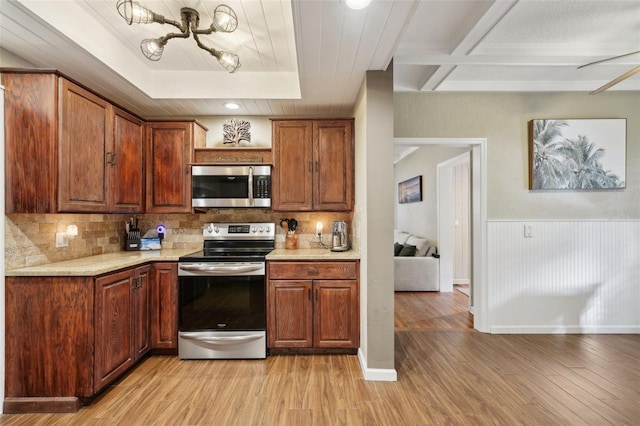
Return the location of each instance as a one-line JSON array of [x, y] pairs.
[[231, 186]]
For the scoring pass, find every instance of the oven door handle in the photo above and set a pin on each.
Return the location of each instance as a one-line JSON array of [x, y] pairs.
[[222, 340], [221, 270]]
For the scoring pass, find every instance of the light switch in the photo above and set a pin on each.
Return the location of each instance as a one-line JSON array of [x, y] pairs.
[[528, 231]]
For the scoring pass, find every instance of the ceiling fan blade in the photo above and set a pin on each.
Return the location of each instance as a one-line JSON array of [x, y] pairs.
[[608, 59], [617, 80]]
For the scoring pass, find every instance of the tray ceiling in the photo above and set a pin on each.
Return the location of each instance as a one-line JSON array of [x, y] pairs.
[[309, 57]]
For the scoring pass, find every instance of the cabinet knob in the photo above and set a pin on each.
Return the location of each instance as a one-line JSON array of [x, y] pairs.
[[312, 271]]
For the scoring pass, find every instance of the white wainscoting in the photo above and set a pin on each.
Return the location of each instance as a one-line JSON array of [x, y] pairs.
[[569, 277]]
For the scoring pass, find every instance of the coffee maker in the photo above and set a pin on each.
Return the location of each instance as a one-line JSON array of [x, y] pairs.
[[339, 237]]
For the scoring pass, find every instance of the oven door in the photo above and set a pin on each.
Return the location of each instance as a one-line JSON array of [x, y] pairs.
[[222, 311]]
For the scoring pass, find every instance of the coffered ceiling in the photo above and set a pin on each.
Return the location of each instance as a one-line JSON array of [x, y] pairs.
[[309, 57]]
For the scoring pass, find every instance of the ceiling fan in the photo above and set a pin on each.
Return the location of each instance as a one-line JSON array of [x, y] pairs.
[[616, 80]]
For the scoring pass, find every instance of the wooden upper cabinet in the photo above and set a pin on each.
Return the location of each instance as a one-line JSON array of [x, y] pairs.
[[292, 165], [169, 147], [127, 164], [313, 165], [333, 168], [31, 141], [69, 150], [85, 138]]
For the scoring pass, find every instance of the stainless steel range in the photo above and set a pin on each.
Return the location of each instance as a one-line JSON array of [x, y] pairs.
[[222, 291]]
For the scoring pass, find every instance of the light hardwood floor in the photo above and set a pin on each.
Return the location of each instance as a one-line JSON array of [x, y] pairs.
[[447, 374]]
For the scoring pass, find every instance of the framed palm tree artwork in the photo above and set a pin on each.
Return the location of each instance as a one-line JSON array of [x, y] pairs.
[[577, 154]]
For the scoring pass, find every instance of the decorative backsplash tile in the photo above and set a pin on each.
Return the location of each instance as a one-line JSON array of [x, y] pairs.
[[30, 238]]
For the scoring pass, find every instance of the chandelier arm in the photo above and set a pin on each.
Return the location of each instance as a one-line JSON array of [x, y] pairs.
[[211, 50], [206, 31], [169, 36], [176, 24]]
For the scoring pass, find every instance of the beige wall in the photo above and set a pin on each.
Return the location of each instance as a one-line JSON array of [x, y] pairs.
[[374, 218], [502, 119]]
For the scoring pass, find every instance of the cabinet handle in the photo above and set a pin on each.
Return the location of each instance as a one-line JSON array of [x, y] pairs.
[[310, 166], [309, 294], [317, 166], [312, 271], [110, 157], [114, 159], [317, 294]]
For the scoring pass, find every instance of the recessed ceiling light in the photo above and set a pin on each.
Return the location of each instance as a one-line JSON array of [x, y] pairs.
[[231, 105], [358, 4]]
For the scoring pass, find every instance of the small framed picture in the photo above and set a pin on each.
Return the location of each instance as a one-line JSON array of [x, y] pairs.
[[410, 191]]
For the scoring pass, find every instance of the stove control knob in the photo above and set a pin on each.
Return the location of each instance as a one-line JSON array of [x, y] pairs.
[[254, 229], [216, 229], [209, 229], [267, 229], [261, 229]]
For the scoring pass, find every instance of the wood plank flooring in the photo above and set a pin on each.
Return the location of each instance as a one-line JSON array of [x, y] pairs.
[[448, 374]]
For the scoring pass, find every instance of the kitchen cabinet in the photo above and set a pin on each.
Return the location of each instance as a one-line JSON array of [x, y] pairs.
[[169, 148], [164, 316], [313, 165], [122, 322], [313, 307], [69, 150], [67, 338]]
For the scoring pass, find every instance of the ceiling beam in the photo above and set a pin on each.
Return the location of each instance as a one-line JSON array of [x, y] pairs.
[[494, 14]]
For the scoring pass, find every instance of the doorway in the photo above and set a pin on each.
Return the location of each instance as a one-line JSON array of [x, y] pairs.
[[478, 149]]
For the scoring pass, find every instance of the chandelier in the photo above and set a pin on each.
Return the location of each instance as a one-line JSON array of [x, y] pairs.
[[224, 20]]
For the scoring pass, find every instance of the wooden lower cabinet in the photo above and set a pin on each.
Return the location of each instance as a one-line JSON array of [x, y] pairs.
[[67, 338], [313, 307], [164, 315]]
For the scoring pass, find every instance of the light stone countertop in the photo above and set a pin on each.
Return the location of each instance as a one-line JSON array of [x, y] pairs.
[[110, 262], [100, 264], [313, 254]]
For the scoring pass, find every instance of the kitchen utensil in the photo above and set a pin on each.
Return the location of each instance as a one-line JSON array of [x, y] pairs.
[[293, 224], [339, 237]]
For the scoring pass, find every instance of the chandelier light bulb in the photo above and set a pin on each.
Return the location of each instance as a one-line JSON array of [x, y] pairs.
[[229, 61], [152, 48], [224, 19], [132, 12]]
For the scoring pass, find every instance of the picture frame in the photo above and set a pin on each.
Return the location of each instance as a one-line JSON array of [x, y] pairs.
[[577, 154], [410, 190]]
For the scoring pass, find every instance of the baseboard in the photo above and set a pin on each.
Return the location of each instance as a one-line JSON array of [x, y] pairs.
[[559, 329], [13, 405], [376, 374]]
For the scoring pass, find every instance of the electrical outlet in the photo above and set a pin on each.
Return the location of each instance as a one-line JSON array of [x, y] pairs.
[[528, 231], [61, 240]]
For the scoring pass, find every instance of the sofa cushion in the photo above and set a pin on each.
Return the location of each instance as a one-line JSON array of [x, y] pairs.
[[421, 244], [400, 237], [396, 248], [407, 250]]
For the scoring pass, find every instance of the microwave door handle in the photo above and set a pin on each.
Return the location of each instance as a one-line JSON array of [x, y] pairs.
[[251, 186]]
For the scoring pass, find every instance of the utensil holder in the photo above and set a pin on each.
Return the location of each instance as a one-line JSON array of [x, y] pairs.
[[132, 242], [291, 241]]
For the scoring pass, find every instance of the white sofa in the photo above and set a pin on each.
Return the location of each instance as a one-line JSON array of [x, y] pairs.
[[419, 272]]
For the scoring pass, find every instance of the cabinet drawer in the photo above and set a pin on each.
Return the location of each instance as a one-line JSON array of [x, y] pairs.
[[313, 270]]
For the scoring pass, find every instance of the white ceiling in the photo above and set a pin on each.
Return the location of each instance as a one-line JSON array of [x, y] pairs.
[[309, 57]]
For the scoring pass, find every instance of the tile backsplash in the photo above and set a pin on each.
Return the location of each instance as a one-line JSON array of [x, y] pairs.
[[30, 238]]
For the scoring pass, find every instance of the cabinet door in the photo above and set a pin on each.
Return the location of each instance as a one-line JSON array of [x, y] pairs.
[[289, 314], [292, 166], [30, 117], [333, 165], [126, 163], [336, 318], [84, 138], [113, 315], [164, 304], [168, 171], [141, 311]]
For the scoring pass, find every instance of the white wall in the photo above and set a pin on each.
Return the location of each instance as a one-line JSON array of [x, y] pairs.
[[421, 218], [526, 272]]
